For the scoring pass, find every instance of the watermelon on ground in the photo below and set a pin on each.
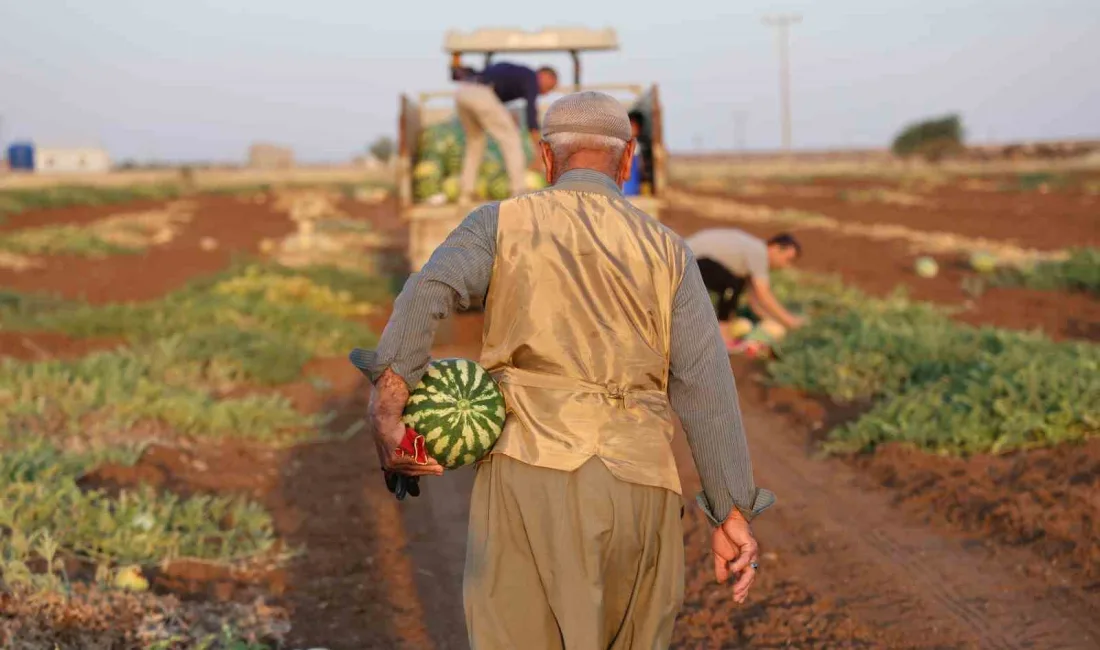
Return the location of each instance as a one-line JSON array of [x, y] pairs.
[[459, 409], [983, 262], [740, 327], [926, 267]]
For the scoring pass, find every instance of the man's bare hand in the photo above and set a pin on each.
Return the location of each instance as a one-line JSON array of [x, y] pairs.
[[384, 415], [735, 551]]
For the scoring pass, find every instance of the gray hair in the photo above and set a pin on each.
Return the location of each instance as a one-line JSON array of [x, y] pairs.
[[565, 145]]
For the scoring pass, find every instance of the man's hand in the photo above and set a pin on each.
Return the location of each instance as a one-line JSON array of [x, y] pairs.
[[735, 552], [384, 413], [796, 322]]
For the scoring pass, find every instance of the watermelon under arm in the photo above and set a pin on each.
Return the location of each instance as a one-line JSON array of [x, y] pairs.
[[459, 410]]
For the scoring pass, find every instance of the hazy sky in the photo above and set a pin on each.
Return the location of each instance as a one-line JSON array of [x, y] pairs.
[[202, 79]]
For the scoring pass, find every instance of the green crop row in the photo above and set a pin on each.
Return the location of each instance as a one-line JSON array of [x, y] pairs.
[[116, 391], [183, 354], [258, 323], [15, 201], [62, 239], [932, 382], [1080, 272], [40, 502]]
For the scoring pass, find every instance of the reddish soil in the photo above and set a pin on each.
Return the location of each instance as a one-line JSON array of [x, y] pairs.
[[1041, 499], [883, 551], [42, 346], [1029, 219], [354, 587], [880, 267], [782, 611], [75, 215], [238, 228]]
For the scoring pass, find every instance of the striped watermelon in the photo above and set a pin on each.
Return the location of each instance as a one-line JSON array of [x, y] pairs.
[[459, 410]]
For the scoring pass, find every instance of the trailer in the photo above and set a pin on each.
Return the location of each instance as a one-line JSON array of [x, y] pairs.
[[429, 224]]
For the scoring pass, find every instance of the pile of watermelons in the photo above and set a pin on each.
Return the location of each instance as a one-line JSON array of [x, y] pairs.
[[439, 164]]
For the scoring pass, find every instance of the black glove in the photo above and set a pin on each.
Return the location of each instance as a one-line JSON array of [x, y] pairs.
[[400, 485]]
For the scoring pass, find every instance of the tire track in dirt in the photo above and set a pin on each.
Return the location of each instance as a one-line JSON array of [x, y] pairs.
[[895, 574]]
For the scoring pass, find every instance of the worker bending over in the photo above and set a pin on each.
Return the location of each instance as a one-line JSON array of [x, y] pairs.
[[729, 259], [480, 102]]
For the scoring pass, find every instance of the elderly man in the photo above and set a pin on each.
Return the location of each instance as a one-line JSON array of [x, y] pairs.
[[480, 102], [597, 327]]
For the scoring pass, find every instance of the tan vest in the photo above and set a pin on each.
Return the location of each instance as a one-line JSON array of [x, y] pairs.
[[577, 325]]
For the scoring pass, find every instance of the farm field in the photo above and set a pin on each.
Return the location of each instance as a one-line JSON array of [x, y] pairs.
[[182, 458]]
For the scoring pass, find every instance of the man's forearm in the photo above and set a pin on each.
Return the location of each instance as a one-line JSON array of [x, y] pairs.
[[391, 393], [703, 394], [404, 348], [771, 306]]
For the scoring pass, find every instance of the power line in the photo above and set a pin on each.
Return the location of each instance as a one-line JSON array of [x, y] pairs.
[[782, 23]]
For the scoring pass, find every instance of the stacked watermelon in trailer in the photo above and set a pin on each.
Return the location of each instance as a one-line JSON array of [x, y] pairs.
[[440, 153]]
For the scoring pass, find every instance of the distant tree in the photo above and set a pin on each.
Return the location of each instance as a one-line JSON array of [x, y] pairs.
[[382, 148], [932, 139]]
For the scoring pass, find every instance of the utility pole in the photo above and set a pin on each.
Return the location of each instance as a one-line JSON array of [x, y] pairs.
[[739, 120], [782, 23]]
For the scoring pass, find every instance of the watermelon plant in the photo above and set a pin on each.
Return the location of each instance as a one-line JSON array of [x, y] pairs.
[[261, 321], [19, 200], [1079, 272], [935, 383], [40, 495], [1021, 397], [111, 392], [459, 410]]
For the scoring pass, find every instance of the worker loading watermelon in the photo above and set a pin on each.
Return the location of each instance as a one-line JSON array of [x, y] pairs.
[[480, 101], [732, 260], [598, 327]]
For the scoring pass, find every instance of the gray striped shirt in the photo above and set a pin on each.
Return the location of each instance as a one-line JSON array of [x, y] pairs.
[[701, 386]]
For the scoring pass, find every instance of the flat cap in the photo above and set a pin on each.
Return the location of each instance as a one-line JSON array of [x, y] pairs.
[[588, 112]]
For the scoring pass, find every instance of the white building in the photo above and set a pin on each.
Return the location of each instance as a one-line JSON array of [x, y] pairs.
[[62, 160]]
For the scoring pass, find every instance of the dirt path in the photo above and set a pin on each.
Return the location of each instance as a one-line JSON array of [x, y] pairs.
[[898, 576], [879, 577]]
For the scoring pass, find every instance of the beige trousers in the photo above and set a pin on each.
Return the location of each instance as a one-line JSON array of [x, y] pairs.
[[480, 111], [570, 560]]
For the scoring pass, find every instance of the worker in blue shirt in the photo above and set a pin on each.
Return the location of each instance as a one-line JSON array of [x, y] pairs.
[[480, 103], [633, 184]]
